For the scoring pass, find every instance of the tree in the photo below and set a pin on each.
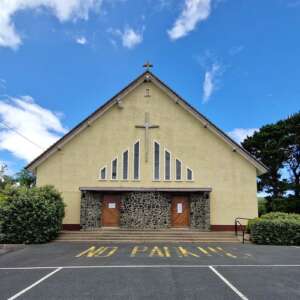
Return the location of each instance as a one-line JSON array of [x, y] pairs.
[[292, 151], [265, 145], [4, 178], [25, 178], [278, 147]]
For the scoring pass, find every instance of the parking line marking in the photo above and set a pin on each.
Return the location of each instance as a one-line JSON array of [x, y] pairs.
[[147, 266], [241, 295], [34, 284]]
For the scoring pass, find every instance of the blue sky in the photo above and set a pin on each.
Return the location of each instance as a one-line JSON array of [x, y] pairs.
[[236, 61]]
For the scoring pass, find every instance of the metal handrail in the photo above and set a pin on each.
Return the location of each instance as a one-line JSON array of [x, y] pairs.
[[243, 227]]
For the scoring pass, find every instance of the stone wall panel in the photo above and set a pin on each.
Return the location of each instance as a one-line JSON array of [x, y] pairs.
[[144, 210], [90, 210], [200, 211]]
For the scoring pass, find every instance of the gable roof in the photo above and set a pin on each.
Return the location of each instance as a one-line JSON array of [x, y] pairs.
[[147, 76]]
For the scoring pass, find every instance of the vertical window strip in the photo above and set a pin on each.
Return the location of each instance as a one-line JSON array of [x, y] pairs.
[[114, 167], [156, 161], [178, 169], [189, 174], [136, 161], [125, 165], [103, 173], [167, 165]]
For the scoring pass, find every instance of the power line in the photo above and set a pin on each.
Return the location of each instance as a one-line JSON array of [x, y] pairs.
[[22, 135]]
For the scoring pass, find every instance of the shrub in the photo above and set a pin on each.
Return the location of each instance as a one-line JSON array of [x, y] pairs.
[[249, 224], [276, 229], [30, 215], [280, 215]]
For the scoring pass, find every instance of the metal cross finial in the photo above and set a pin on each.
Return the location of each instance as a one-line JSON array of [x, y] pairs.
[[147, 126], [147, 65]]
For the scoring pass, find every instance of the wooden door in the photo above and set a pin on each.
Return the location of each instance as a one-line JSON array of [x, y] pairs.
[[180, 211], [111, 210]]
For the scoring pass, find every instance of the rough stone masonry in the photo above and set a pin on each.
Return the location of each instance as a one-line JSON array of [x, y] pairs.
[[144, 210]]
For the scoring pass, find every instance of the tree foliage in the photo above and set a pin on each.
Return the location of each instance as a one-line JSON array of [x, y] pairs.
[[278, 147], [25, 178], [22, 178]]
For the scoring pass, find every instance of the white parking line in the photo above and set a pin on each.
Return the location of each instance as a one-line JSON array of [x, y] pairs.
[[146, 266], [34, 284], [241, 295]]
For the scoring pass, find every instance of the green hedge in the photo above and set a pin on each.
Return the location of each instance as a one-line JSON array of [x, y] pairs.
[[276, 229], [30, 215]]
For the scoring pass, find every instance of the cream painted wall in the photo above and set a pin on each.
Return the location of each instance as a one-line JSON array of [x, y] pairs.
[[214, 164]]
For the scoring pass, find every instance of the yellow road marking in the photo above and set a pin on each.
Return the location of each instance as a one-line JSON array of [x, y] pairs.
[[204, 251], [156, 252], [227, 253], [167, 252], [161, 251], [184, 252], [92, 251], [110, 253], [212, 250], [137, 250]]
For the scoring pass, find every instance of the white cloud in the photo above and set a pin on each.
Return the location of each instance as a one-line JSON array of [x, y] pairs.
[[29, 128], [210, 80], [194, 11], [64, 10], [240, 134], [81, 40], [130, 38]]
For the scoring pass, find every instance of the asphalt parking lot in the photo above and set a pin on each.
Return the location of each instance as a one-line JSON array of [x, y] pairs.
[[150, 271]]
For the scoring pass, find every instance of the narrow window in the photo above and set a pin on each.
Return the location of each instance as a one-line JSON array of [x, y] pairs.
[[136, 161], [103, 173], [156, 161], [178, 169], [167, 165], [147, 93], [189, 174], [125, 165], [114, 165]]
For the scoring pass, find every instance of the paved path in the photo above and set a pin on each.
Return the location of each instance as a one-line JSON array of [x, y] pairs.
[[150, 271]]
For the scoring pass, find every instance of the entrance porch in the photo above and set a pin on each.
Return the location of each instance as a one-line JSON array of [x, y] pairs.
[[145, 209]]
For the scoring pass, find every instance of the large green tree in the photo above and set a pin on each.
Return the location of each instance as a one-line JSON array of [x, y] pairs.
[[278, 147], [25, 178]]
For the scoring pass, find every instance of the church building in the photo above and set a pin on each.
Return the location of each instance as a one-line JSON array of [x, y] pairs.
[[146, 159]]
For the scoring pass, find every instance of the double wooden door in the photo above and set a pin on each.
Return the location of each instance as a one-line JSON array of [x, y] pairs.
[[180, 211], [111, 210]]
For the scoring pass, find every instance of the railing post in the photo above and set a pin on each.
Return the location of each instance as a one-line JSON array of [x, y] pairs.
[[235, 227]]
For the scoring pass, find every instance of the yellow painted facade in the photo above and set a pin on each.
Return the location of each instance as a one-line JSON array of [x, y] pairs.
[[214, 163]]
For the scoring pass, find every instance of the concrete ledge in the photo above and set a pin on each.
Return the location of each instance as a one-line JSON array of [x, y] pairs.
[[141, 189]]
